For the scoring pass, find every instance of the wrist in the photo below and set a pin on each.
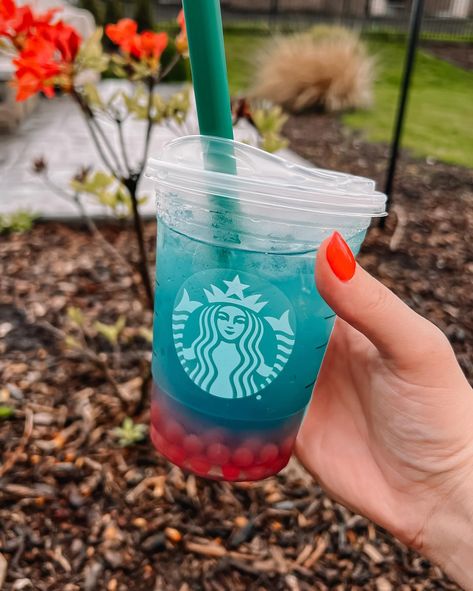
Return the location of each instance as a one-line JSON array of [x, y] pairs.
[[447, 538]]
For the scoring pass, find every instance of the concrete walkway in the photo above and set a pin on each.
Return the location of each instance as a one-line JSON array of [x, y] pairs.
[[56, 131]]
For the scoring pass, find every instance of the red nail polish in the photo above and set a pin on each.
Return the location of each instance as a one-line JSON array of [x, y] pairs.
[[340, 257]]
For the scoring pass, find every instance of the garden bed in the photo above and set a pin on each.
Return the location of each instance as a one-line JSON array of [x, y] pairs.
[[80, 513], [459, 54]]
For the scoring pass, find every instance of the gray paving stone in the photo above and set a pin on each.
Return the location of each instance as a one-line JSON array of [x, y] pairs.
[[57, 132]]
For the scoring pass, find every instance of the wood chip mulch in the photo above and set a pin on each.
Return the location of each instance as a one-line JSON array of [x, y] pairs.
[[79, 513]]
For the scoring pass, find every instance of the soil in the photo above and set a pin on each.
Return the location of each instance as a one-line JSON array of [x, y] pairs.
[[458, 54], [79, 512]]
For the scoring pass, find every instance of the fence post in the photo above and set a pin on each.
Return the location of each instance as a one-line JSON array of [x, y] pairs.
[[412, 42]]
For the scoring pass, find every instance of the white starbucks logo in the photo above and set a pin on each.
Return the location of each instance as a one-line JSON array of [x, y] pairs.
[[227, 340]]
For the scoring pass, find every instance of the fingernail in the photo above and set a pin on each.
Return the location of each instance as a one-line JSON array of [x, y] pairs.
[[340, 257]]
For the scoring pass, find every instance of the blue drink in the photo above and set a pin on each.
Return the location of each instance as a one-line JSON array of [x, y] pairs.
[[240, 330]]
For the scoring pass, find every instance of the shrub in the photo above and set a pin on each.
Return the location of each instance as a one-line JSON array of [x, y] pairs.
[[326, 68]]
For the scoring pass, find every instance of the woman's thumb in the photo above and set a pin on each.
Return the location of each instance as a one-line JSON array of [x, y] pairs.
[[366, 304]]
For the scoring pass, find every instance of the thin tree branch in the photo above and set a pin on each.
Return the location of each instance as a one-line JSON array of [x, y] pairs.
[[132, 185], [91, 226], [149, 127], [98, 145], [172, 64], [119, 123], [151, 82], [108, 145], [89, 354], [88, 116]]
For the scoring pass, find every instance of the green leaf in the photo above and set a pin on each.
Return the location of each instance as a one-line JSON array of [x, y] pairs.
[[118, 71], [107, 191], [273, 142], [75, 316], [6, 412], [92, 95], [142, 199], [91, 55], [269, 121], [94, 184], [178, 106], [19, 221], [72, 343], [130, 433], [146, 333], [111, 332], [269, 118]]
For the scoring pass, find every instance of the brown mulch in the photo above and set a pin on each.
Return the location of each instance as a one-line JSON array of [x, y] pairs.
[[458, 54], [77, 512]]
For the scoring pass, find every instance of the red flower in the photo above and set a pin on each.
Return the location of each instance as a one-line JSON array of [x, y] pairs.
[[17, 22], [36, 67], [65, 38], [181, 20], [45, 57], [149, 45], [182, 43], [123, 33]]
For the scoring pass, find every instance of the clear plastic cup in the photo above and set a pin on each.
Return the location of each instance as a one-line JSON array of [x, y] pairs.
[[240, 330]]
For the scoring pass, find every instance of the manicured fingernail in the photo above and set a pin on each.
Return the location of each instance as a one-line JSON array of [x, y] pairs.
[[340, 257]]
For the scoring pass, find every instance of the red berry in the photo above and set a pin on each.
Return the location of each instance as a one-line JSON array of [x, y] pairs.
[[230, 472], [243, 457], [175, 453], [157, 439], [173, 431], [193, 444], [218, 453], [287, 445], [257, 472], [216, 435], [278, 464], [155, 414], [252, 443], [269, 453], [200, 466]]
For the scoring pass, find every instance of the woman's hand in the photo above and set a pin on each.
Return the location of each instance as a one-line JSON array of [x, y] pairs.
[[389, 431]]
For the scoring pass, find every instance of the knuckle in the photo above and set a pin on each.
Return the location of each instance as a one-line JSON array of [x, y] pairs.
[[435, 344]]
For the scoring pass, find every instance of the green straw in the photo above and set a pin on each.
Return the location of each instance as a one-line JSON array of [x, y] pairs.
[[209, 68], [212, 97]]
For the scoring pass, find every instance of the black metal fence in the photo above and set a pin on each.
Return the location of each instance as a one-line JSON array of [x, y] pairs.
[[442, 18]]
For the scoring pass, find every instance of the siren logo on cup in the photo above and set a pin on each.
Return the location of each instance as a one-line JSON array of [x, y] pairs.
[[233, 332]]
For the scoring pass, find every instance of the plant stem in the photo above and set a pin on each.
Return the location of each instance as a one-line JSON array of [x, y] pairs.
[[91, 226], [88, 116], [132, 184], [150, 84], [89, 354], [110, 149], [172, 64], [119, 123]]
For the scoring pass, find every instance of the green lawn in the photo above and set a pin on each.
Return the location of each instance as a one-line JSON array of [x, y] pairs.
[[241, 48], [440, 116]]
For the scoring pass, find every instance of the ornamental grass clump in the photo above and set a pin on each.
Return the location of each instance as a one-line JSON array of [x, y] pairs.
[[326, 68]]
